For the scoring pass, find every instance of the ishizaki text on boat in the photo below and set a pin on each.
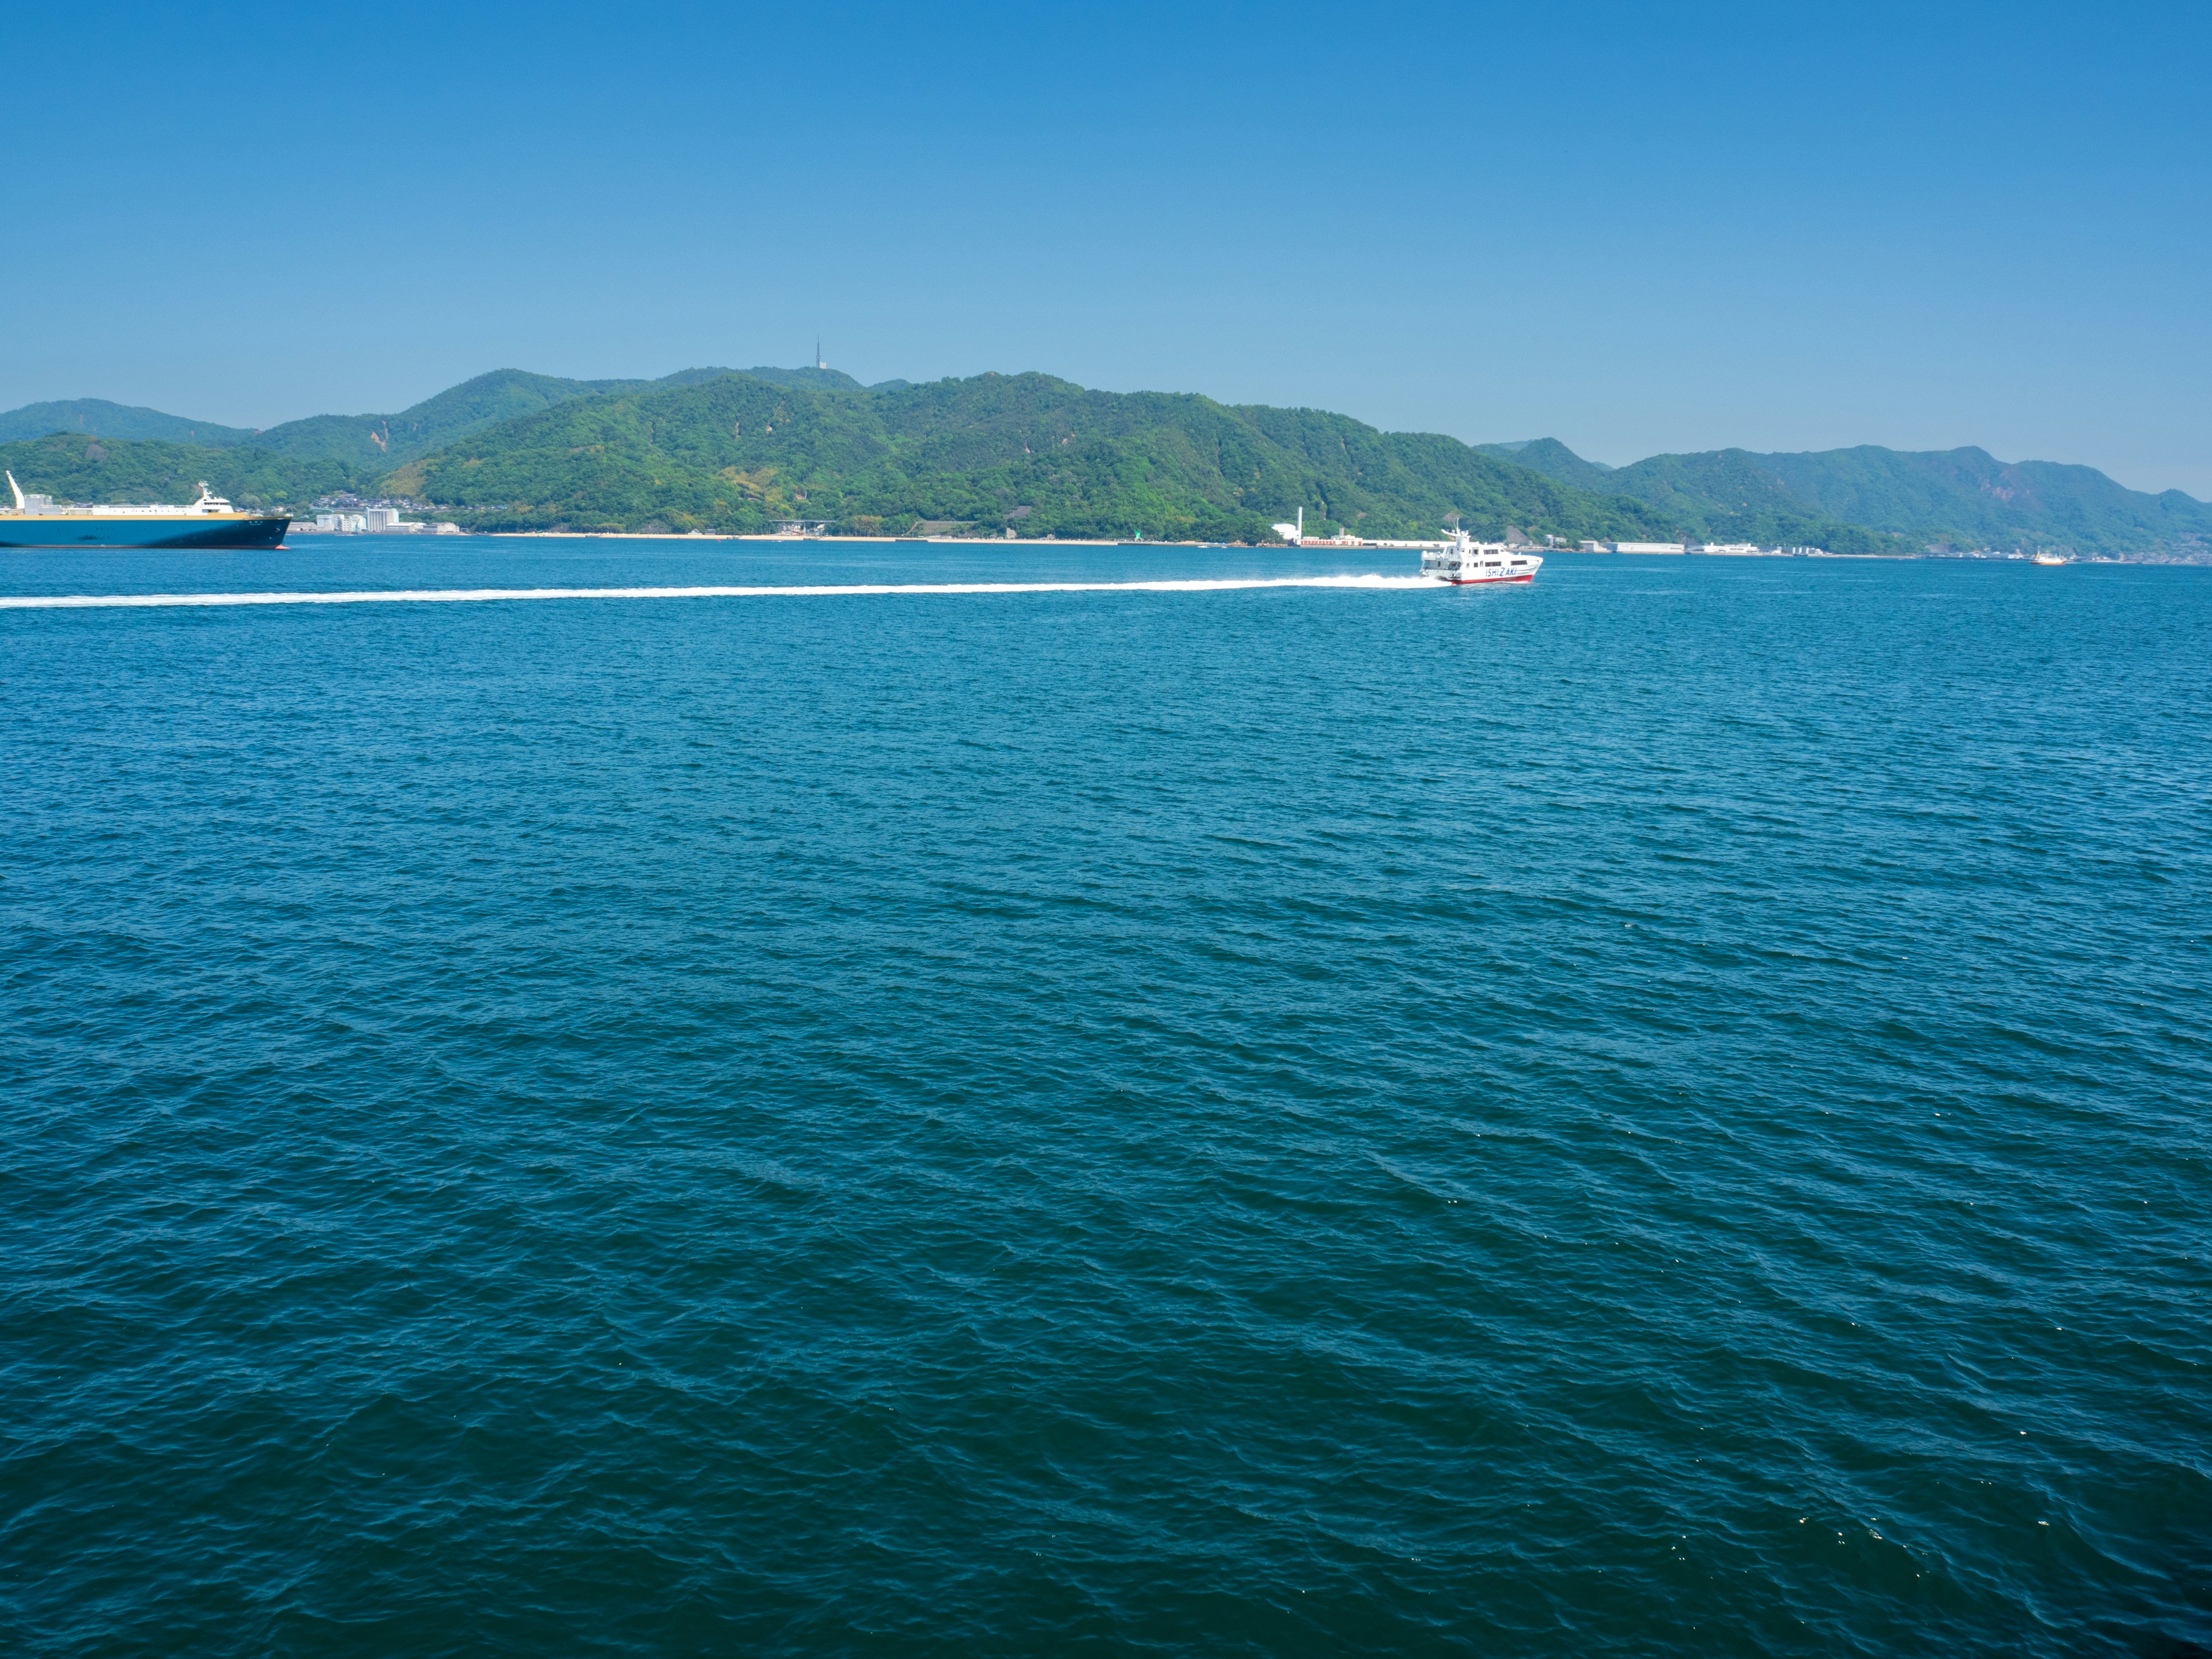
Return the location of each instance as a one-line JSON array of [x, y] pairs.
[[1462, 560], [210, 521]]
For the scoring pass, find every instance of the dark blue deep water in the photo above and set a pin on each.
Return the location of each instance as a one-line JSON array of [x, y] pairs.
[[1662, 1113]]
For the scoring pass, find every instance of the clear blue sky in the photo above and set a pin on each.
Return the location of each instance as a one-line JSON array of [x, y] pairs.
[[1637, 227]]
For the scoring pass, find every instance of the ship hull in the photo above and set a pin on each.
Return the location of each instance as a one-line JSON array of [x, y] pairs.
[[1462, 562], [185, 529]]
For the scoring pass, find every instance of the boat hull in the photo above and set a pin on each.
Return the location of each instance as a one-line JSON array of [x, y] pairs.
[[1462, 562], [185, 529]]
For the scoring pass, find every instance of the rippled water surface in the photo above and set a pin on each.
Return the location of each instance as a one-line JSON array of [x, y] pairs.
[[1661, 1113]]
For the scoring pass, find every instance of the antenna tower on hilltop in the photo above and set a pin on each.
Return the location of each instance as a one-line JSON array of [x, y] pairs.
[[819, 360]]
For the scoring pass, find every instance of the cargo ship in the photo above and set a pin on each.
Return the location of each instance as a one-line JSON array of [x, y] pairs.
[[210, 521], [1463, 560]]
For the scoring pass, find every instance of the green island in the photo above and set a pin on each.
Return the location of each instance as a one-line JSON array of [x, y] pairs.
[[742, 451]]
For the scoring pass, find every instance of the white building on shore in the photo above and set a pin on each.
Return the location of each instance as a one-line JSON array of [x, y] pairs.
[[372, 521]]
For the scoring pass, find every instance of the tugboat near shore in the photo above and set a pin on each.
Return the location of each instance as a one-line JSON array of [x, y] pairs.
[[210, 521]]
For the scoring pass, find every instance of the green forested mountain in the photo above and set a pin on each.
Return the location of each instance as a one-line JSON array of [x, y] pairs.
[[97, 417], [71, 467], [724, 451], [1959, 497], [373, 443], [824, 379], [383, 442], [1023, 451], [1554, 459], [1968, 497], [714, 448]]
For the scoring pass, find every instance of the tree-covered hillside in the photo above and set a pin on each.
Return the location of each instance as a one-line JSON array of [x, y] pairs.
[[716, 449], [722, 450], [96, 417], [1867, 498], [1967, 496], [1726, 497], [1555, 460], [70, 467], [1027, 452], [381, 442]]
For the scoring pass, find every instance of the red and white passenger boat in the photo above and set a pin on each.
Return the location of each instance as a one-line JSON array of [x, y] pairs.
[[1463, 560]]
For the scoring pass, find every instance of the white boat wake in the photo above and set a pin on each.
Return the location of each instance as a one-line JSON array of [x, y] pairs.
[[483, 595]]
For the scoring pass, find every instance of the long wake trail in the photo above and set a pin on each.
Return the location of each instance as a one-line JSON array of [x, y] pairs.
[[857, 590]]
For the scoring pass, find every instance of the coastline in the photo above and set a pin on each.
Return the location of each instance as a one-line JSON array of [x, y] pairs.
[[916, 541], [1070, 541]]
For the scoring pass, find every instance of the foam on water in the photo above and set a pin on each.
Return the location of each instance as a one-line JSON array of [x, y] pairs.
[[373, 595]]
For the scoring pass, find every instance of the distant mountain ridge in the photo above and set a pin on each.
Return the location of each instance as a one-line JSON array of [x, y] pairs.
[[511, 448], [374, 440], [97, 417], [1025, 451], [718, 450], [1957, 497], [389, 440], [1554, 459]]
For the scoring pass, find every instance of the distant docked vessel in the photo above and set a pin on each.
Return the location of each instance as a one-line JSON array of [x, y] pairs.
[[2051, 558], [210, 521], [1463, 560]]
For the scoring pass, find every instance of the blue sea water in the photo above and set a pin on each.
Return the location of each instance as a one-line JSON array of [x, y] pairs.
[[1662, 1112]]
